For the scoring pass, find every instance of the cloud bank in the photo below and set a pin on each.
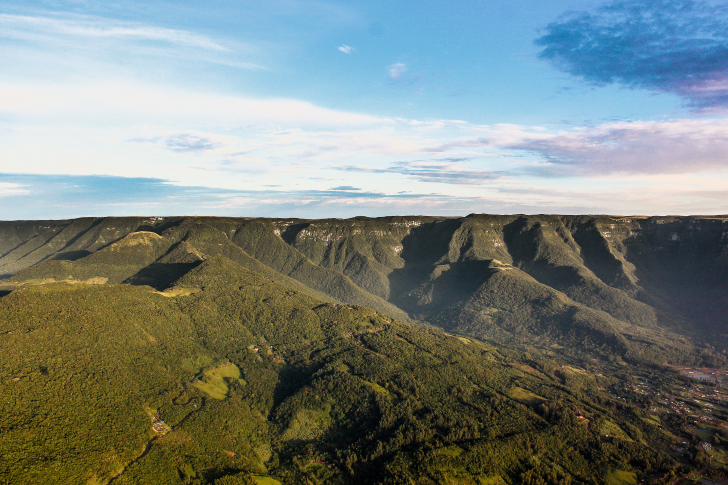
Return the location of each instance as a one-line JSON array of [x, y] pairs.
[[672, 46], [674, 147], [677, 146]]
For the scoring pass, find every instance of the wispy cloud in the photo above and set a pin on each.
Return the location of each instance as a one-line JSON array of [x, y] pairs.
[[64, 196], [156, 104], [673, 46], [678, 146], [444, 172], [639, 147], [183, 142], [191, 143], [32, 27], [397, 70], [346, 49], [73, 44], [9, 188]]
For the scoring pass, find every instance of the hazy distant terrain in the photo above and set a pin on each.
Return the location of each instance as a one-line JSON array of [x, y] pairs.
[[484, 349]]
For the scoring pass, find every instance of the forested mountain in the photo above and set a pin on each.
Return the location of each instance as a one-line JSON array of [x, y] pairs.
[[477, 350], [642, 289]]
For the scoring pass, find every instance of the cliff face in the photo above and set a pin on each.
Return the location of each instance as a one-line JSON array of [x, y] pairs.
[[630, 286]]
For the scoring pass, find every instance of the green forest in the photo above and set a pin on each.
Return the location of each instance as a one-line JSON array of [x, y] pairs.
[[395, 351]]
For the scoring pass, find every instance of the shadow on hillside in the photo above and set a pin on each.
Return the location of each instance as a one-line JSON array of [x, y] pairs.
[[161, 275], [290, 380], [422, 248], [289, 235], [70, 255]]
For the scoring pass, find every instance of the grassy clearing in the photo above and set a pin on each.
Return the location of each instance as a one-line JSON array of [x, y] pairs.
[[453, 451], [608, 428], [188, 471], [213, 382], [261, 480], [174, 292], [720, 455], [568, 368], [705, 434], [620, 477], [196, 364], [526, 368], [377, 388], [494, 480], [146, 238], [98, 280], [653, 420], [520, 394]]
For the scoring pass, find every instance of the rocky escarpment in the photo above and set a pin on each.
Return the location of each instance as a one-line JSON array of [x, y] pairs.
[[634, 286]]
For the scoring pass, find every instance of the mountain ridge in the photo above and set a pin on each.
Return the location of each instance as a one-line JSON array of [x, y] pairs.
[[427, 350], [623, 274]]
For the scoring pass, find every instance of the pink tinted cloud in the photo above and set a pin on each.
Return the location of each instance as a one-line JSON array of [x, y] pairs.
[[670, 147]]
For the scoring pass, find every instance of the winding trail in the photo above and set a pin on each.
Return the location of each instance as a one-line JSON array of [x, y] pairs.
[[151, 441], [147, 448]]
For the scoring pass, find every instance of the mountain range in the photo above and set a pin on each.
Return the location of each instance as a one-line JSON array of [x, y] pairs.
[[367, 350]]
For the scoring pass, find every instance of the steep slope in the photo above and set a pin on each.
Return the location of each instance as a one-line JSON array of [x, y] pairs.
[[259, 239], [63, 240], [116, 262], [252, 381], [542, 289], [682, 264], [629, 281]]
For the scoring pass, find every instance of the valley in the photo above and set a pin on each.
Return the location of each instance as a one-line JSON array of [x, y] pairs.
[[485, 349]]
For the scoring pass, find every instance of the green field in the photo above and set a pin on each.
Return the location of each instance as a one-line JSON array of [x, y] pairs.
[[214, 381], [523, 395], [705, 434], [619, 477], [377, 388], [608, 428], [196, 364], [261, 480], [453, 451], [179, 292], [652, 419]]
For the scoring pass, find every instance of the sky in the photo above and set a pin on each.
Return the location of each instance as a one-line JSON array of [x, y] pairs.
[[315, 109]]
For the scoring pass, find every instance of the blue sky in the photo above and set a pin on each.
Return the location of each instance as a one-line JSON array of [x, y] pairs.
[[337, 109]]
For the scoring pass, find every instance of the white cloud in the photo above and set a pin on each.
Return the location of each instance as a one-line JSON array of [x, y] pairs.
[[397, 70], [346, 49], [238, 143], [83, 47], [120, 103], [28, 27], [8, 189]]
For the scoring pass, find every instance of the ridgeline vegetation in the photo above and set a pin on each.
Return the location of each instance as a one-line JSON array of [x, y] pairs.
[[486, 349]]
